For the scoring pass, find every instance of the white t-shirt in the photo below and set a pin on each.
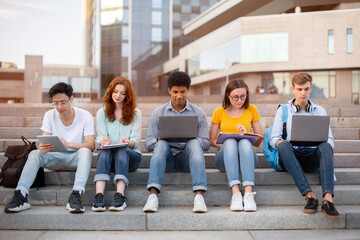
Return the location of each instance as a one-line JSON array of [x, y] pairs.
[[83, 125]]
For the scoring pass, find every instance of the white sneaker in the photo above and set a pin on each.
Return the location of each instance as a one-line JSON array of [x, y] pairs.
[[249, 202], [152, 203], [199, 204], [236, 202]]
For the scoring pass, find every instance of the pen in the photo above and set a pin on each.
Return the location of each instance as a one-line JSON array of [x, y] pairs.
[[104, 135]]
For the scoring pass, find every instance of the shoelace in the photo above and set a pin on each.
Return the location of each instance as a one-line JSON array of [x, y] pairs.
[[99, 197], [329, 205], [17, 198], [117, 197], [75, 198]]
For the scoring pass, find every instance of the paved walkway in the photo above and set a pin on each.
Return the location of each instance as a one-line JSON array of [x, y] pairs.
[[183, 235]]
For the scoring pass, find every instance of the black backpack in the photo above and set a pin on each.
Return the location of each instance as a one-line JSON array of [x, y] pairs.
[[17, 156]]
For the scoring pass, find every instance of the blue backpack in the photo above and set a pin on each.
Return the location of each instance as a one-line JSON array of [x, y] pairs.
[[271, 154]]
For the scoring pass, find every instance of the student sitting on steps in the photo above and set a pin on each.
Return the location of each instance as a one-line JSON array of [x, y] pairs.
[[177, 156], [75, 127], [296, 159], [119, 121]]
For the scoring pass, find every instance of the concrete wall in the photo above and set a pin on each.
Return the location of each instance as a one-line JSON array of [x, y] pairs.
[[33, 79]]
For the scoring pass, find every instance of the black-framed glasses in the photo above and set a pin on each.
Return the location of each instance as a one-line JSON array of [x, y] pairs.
[[236, 97], [61, 103]]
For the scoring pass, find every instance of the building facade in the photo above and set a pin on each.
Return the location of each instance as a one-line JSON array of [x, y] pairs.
[[31, 85], [265, 42], [138, 36]]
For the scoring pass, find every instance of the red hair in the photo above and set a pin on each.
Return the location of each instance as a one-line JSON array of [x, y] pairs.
[[129, 104]]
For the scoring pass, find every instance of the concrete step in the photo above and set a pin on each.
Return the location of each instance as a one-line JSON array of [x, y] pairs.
[[341, 160], [328, 234], [265, 109], [264, 176], [341, 145], [287, 195], [30, 121], [177, 218]]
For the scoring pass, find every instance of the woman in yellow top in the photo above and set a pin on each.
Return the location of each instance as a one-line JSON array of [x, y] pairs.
[[237, 115]]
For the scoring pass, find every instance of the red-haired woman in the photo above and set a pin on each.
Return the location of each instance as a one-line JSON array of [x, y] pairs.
[[118, 121]]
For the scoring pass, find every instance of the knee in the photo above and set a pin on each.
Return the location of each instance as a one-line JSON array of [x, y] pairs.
[[245, 144], [34, 155], [325, 146], [229, 144], [193, 146], [284, 145], [162, 146], [84, 153]]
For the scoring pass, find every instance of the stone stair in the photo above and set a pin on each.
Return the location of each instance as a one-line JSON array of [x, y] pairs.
[[279, 202]]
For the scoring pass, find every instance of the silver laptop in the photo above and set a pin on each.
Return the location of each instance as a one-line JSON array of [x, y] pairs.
[[309, 130], [178, 128]]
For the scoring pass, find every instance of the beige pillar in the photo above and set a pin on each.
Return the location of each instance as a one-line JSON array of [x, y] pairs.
[[33, 79]]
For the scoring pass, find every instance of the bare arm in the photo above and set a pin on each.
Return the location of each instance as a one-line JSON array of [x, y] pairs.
[[214, 129], [89, 143], [257, 128]]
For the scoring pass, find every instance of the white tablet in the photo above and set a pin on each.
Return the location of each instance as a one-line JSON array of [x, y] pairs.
[[53, 140]]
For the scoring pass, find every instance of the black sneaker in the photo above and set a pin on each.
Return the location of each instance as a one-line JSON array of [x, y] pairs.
[[99, 203], [118, 204], [329, 209], [74, 204], [311, 205], [17, 203]]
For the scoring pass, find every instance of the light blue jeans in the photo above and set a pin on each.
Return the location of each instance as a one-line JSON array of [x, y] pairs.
[[191, 159], [126, 160], [79, 161], [229, 156]]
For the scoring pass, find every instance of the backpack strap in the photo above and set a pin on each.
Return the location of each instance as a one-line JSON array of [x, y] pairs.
[[284, 119]]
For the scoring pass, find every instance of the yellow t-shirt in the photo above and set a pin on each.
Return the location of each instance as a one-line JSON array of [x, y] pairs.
[[228, 124]]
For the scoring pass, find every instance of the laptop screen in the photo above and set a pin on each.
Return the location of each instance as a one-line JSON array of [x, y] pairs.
[[178, 128], [309, 130]]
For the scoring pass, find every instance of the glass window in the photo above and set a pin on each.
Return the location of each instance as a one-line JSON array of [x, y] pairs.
[[324, 83], [355, 87], [49, 81], [156, 34], [125, 32], [156, 3], [349, 40], [186, 8], [176, 17], [124, 49], [330, 41], [156, 18], [111, 17], [105, 4], [282, 82], [267, 47]]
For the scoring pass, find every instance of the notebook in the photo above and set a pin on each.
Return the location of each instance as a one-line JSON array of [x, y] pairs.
[[309, 130], [178, 128]]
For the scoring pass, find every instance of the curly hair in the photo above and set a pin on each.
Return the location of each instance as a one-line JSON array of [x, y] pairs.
[[129, 104], [178, 78]]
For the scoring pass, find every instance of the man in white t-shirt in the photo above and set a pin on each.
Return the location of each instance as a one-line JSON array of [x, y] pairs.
[[75, 127]]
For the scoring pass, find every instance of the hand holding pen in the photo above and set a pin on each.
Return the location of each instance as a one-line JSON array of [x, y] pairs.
[[106, 140]]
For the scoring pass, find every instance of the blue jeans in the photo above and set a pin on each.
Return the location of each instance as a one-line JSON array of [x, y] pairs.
[[191, 159], [79, 160], [126, 161], [298, 161], [229, 156]]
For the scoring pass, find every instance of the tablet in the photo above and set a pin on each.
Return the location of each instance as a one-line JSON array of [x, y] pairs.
[[53, 140]]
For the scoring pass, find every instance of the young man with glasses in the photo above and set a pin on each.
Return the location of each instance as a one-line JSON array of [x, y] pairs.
[[75, 127], [177, 156]]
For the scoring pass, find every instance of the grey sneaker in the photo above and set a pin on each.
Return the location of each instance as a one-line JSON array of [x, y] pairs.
[[199, 204]]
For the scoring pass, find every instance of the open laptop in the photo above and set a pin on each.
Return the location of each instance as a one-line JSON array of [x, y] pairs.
[[309, 130], [178, 128]]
